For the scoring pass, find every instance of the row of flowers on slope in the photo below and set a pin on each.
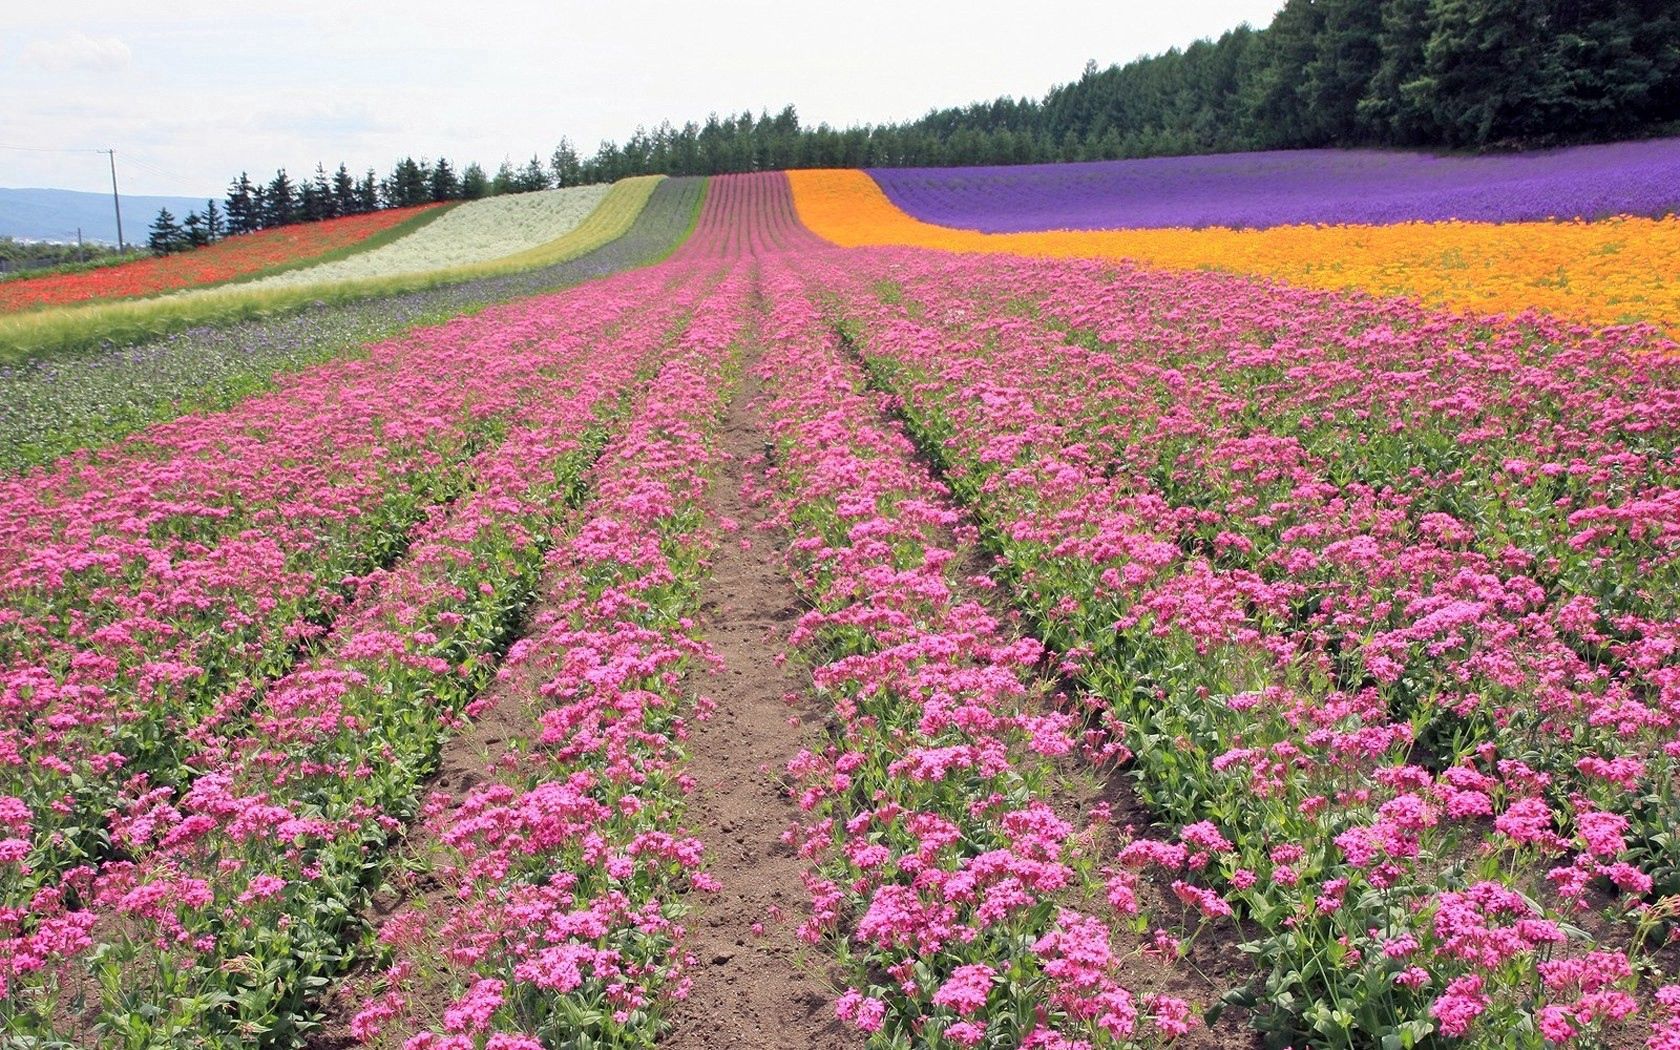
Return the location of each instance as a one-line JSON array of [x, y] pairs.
[[557, 918], [223, 261], [150, 590], [233, 895], [472, 232], [954, 896], [1291, 187], [1605, 273], [1290, 543]]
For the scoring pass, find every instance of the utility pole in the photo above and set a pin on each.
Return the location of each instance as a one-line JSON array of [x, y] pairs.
[[116, 202]]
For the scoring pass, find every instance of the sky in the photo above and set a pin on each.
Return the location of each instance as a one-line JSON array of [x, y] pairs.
[[190, 92]]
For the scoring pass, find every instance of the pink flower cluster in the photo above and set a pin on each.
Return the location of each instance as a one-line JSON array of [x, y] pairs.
[[939, 863], [1387, 595], [564, 869], [253, 855]]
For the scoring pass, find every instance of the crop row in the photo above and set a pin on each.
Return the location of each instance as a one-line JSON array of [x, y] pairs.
[[1290, 187], [556, 913], [230, 894], [1387, 601], [226, 260], [81, 328], [54, 405], [1615, 271], [473, 232], [962, 905], [148, 593]]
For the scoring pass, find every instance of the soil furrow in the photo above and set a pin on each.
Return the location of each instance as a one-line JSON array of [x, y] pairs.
[[752, 985]]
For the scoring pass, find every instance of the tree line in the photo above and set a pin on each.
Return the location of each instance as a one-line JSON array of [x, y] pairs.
[[257, 205], [1457, 74]]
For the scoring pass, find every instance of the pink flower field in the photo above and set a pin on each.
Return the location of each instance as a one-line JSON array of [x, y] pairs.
[[794, 645]]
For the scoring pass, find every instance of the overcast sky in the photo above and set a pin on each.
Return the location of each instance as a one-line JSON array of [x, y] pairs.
[[189, 92]]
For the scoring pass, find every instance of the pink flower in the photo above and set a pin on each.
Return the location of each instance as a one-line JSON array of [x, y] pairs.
[[1459, 1005], [966, 989]]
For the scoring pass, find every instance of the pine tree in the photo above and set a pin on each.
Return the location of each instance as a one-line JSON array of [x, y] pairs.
[[407, 185], [474, 184], [192, 231], [325, 203], [166, 234], [1391, 109], [445, 186], [310, 206], [367, 193], [532, 177], [1345, 62], [282, 201], [213, 228], [344, 191], [506, 180], [563, 164], [259, 207], [242, 216]]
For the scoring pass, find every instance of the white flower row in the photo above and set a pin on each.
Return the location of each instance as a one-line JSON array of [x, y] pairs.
[[477, 231]]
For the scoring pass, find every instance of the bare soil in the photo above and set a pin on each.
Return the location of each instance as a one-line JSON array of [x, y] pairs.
[[753, 987]]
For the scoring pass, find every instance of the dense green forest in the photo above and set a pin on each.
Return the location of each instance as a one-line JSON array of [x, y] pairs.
[[1455, 74]]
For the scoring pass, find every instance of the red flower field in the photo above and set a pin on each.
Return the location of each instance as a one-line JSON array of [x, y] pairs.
[[223, 261]]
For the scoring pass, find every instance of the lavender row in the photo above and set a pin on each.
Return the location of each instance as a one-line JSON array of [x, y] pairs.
[[1296, 186]]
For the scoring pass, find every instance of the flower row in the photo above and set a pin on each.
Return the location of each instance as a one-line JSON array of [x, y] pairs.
[[952, 882], [1616, 271], [1378, 598], [233, 893], [150, 588], [560, 863], [473, 232], [223, 261]]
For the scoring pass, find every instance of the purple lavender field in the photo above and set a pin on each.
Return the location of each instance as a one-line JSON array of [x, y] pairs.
[[1298, 186]]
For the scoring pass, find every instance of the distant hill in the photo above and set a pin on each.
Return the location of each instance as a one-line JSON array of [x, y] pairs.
[[53, 215]]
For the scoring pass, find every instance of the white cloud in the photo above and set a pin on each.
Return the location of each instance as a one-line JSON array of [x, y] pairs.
[[76, 50]]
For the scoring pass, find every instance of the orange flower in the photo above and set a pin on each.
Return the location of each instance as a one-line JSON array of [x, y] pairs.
[[1608, 272]]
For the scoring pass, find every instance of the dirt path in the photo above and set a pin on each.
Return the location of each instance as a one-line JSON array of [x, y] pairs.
[[751, 989]]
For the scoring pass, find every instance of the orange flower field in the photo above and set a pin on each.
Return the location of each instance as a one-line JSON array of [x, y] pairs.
[[1608, 272]]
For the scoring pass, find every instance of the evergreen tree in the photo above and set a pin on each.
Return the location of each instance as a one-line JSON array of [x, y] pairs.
[[532, 177], [326, 205], [407, 185], [506, 180], [564, 165], [310, 207], [1393, 108], [474, 184], [165, 234], [344, 191], [192, 231], [1345, 62], [213, 227], [367, 193], [242, 213], [445, 186], [282, 205]]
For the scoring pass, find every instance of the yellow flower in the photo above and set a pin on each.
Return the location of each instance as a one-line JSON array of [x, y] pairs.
[[1613, 271]]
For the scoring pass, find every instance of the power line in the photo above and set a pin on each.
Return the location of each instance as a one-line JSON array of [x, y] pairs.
[[155, 169]]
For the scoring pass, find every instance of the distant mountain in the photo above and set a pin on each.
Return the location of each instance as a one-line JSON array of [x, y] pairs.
[[53, 215]]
